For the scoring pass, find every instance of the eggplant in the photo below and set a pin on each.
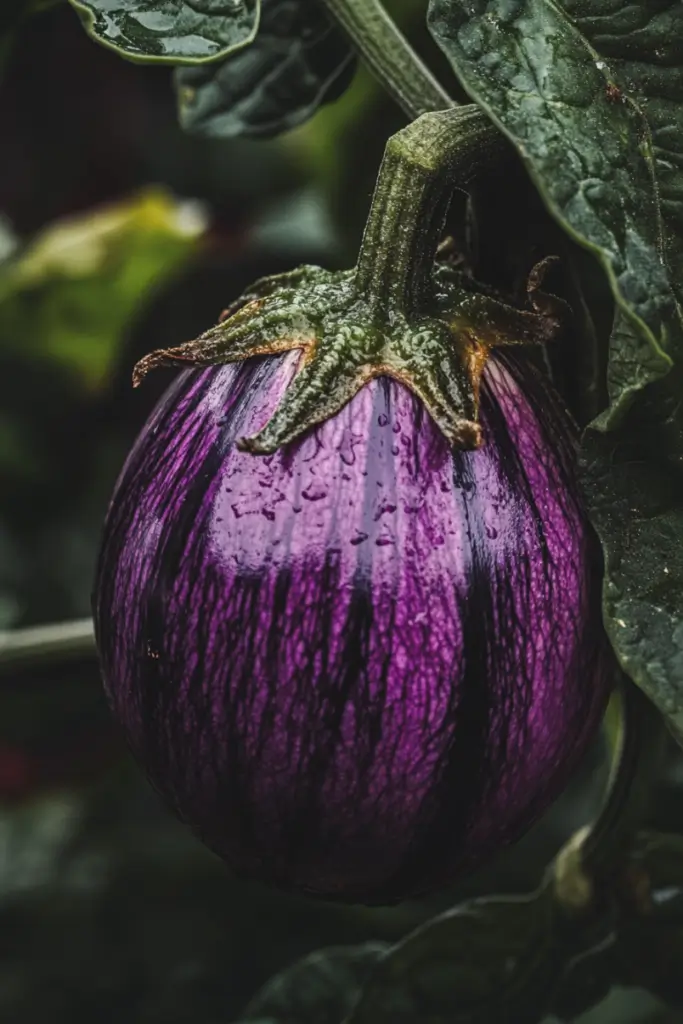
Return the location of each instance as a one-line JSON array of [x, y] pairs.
[[360, 665]]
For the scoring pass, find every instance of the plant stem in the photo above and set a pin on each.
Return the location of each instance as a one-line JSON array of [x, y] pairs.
[[422, 166], [635, 764], [40, 645], [590, 865], [389, 56]]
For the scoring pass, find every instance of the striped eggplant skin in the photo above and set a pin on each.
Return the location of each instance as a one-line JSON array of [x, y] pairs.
[[360, 666]]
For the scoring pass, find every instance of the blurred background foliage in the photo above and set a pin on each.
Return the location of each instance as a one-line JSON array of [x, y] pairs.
[[120, 234]]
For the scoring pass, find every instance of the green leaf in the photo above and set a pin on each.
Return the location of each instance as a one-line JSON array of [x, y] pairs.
[[68, 297], [486, 961], [298, 61], [592, 98], [170, 31], [320, 989], [641, 45], [635, 500]]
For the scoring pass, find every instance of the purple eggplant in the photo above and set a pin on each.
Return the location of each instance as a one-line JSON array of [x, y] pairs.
[[360, 665]]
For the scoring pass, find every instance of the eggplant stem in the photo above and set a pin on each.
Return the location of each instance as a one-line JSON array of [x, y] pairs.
[[423, 164], [389, 56]]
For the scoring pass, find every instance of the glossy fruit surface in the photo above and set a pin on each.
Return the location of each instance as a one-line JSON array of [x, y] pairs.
[[359, 666]]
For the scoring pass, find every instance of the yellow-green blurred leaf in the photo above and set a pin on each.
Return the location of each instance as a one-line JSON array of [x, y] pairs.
[[69, 296]]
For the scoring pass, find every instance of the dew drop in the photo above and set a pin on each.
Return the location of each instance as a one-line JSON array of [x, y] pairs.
[[396, 428], [491, 532], [395, 449], [382, 419], [359, 539]]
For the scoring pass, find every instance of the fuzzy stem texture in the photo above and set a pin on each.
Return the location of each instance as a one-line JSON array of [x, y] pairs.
[[422, 165], [389, 56]]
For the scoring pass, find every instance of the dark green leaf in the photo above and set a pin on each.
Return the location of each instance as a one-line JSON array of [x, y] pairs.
[[298, 61], [321, 989], [641, 45], [484, 962], [170, 31], [575, 96], [635, 499]]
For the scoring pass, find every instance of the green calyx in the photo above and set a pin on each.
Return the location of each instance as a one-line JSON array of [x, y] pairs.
[[396, 314], [439, 355]]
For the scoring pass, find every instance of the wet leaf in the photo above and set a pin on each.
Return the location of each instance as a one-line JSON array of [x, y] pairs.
[[170, 31], [298, 61], [69, 295], [635, 499], [593, 100]]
